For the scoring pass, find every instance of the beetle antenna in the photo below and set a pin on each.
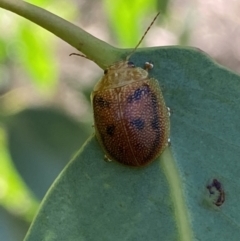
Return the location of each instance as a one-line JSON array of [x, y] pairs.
[[143, 35]]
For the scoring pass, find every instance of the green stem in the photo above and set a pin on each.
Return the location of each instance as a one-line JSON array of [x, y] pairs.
[[100, 52]]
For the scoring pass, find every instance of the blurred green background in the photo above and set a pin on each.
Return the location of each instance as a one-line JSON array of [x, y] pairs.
[[45, 111]]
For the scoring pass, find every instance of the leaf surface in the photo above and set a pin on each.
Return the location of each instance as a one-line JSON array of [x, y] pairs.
[[41, 141], [168, 199]]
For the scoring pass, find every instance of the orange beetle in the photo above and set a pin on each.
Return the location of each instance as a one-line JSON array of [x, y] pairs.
[[131, 119]]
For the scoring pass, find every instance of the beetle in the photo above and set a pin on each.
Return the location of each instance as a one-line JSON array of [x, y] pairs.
[[130, 116], [131, 120]]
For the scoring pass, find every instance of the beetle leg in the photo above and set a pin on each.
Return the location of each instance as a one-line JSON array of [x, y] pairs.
[[107, 159]]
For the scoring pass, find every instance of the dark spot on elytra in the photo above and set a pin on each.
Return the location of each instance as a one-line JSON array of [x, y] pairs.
[[156, 125], [105, 71], [101, 102], [154, 102], [138, 93], [110, 130], [155, 122], [138, 123]]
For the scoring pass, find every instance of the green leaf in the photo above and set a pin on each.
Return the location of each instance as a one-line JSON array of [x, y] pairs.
[[41, 141], [168, 199], [104, 201]]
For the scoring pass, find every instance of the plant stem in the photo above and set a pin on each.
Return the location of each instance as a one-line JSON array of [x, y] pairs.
[[97, 50]]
